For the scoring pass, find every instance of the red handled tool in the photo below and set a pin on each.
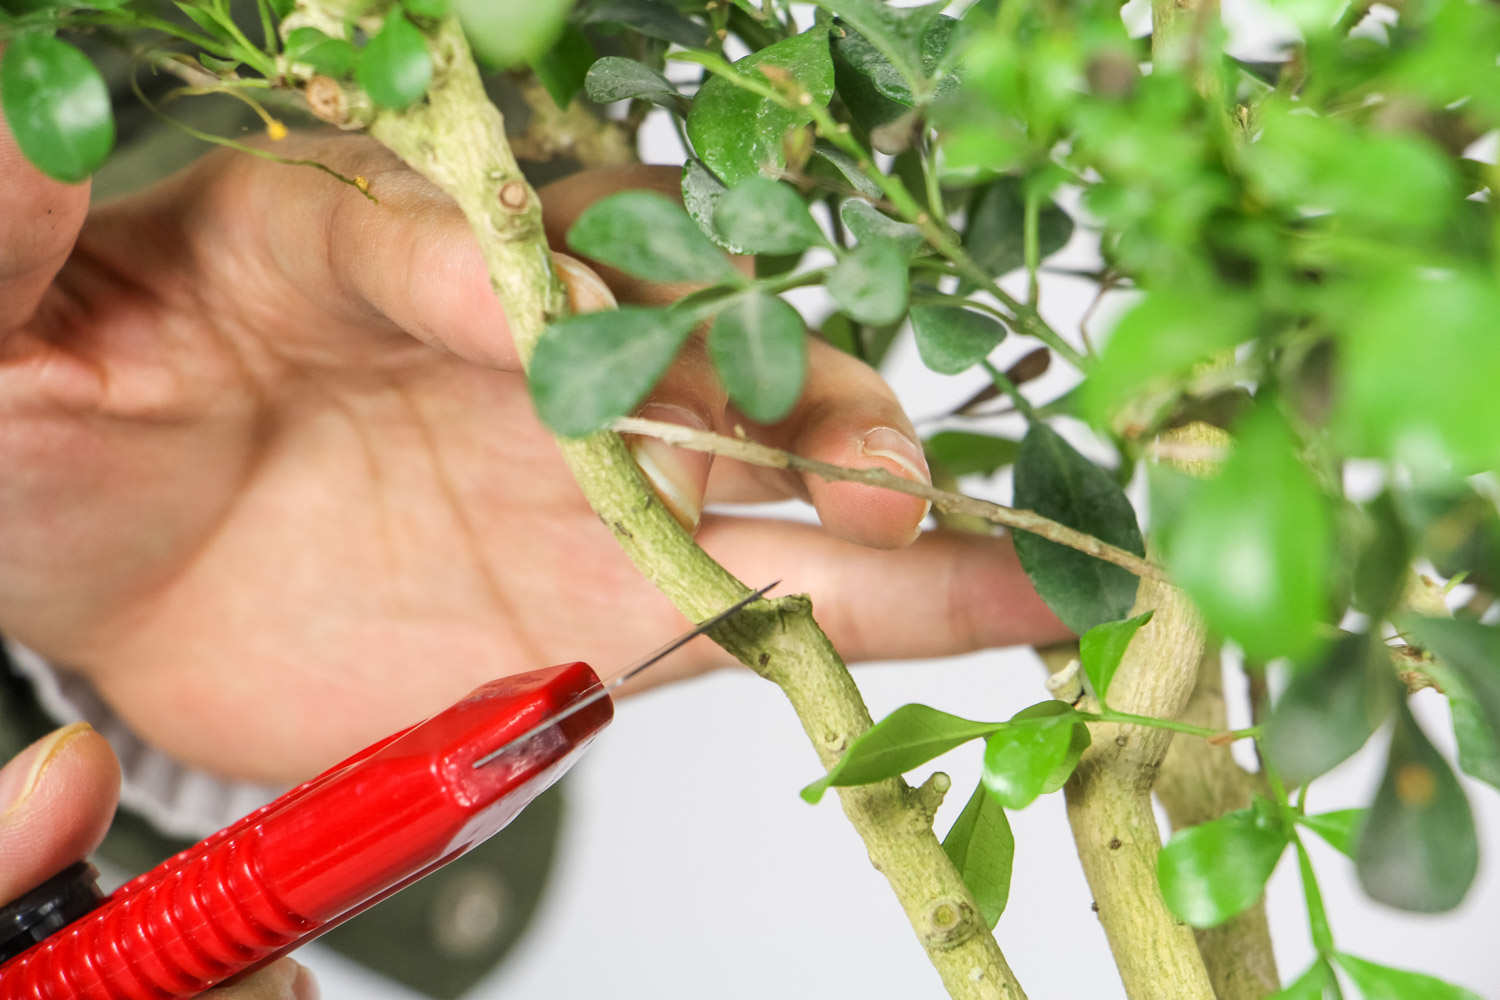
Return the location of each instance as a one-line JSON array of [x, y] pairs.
[[326, 850]]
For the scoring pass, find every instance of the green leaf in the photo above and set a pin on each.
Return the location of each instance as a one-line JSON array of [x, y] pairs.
[[759, 349], [1381, 569], [869, 283], [650, 236], [873, 89], [615, 79], [893, 33], [952, 340], [982, 848], [649, 17], [205, 18], [427, 8], [564, 67], [1057, 482], [765, 216], [1478, 742], [994, 233], [57, 106], [1210, 872], [1470, 649], [910, 736], [964, 453], [395, 68], [1338, 827], [1457, 528], [865, 222], [1317, 983], [512, 32], [1252, 548], [1103, 647], [701, 192], [1417, 850], [1033, 753], [1381, 982], [330, 56], [834, 163], [1329, 710], [737, 133], [1436, 418], [591, 368]]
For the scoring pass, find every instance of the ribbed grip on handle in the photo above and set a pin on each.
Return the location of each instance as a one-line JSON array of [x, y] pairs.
[[174, 938]]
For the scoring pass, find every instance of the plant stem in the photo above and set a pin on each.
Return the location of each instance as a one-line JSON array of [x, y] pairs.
[[456, 139], [1031, 244], [1003, 382], [754, 453], [1317, 915], [1218, 736]]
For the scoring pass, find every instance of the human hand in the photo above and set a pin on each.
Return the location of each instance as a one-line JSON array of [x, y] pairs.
[[56, 800], [274, 482]]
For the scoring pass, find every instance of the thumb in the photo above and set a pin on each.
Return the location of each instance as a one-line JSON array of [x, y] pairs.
[[39, 220], [283, 979], [57, 797]]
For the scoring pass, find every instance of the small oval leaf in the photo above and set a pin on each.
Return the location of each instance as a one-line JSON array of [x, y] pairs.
[[759, 348], [57, 106], [865, 222], [1338, 827], [982, 848], [650, 236], [591, 368], [951, 340], [1210, 872], [1102, 647], [1381, 982], [765, 216], [870, 283], [613, 78], [1025, 756], [964, 453], [330, 56], [1328, 711], [395, 67], [909, 736]]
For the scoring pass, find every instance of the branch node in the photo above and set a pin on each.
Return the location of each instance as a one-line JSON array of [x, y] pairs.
[[513, 196], [929, 794], [950, 921]]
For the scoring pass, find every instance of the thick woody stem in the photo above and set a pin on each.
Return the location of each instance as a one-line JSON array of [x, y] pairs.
[[456, 139], [1200, 781]]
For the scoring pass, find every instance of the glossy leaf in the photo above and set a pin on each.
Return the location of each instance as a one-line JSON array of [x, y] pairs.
[[1033, 753], [1381, 982], [1252, 548], [765, 216], [1338, 828], [593, 367], [514, 32], [650, 236], [865, 222], [1102, 647], [869, 282], [1478, 741], [427, 8], [982, 848], [395, 67], [964, 453], [994, 233], [1329, 710], [1417, 850], [759, 348], [952, 340], [333, 57], [652, 18], [1213, 871], [874, 90], [1054, 480], [893, 33], [701, 192], [1383, 564], [1468, 648], [1317, 983], [908, 737], [615, 79], [738, 133], [563, 68], [57, 106]]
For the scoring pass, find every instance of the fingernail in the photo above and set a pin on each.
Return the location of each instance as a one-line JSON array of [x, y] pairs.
[[305, 987], [891, 445], [20, 777], [587, 292], [678, 476]]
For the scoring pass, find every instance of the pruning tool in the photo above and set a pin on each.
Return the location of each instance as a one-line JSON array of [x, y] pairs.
[[322, 853]]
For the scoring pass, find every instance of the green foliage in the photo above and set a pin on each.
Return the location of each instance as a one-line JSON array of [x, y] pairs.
[[652, 18], [563, 69], [1213, 871], [1468, 671], [1338, 828], [333, 57], [616, 79], [765, 217], [1317, 983], [1381, 982], [869, 283], [736, 133], [908, 737], [993, 233], [506, 33], [1054, 480], [964, 453], [395, 67], [1252, 547], [591, 368], [952, 339], [1102, 647], [649, 236], [1034, 753], [1417, 850], [867, 223], [982, 848], [1330, 709], [57, 106], [759, 349]]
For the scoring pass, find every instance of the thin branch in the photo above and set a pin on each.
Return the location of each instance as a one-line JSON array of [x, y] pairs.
[[753, 453]]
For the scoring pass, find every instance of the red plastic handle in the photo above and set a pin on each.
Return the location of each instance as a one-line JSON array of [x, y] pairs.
[[322, 852]]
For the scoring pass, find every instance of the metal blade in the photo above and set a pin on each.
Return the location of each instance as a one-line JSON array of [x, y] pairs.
[[620, 678]]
